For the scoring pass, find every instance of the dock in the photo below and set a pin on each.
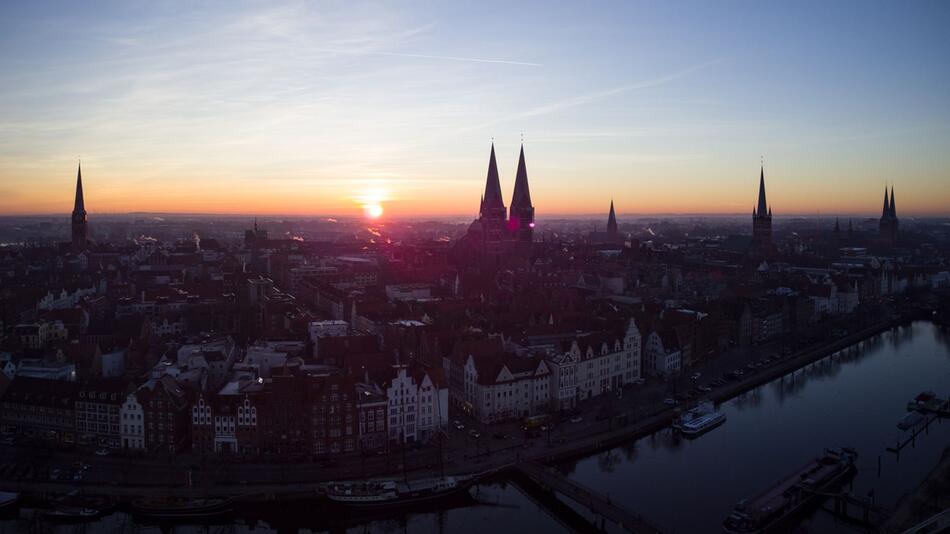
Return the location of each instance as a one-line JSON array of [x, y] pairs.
[[594, 501], [903, 441]]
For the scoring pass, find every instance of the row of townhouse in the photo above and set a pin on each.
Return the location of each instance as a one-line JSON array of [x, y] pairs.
[[492, 384], [63, 411]]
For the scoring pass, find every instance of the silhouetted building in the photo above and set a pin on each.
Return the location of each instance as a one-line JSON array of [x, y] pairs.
[[521, 217], [889, 223], [490, 237], [612, 223], [612, 235], [762, 219], [79, 237], [492, 212]]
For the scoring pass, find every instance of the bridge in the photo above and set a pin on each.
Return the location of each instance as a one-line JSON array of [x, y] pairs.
[[592, 500]]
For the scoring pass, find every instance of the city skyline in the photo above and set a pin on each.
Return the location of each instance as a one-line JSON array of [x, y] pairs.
[[310, 109]]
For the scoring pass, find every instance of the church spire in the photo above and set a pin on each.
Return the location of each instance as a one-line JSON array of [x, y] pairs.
[[521, 198], [79, 230], [612, 220], [893, 211], [79, 205], [887, 204], [492, 184], [763, 205]]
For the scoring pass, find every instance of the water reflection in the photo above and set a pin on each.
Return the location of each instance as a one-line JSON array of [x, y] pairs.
[[854, 397]]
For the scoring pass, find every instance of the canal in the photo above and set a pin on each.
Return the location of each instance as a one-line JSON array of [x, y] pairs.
[[854, 398]]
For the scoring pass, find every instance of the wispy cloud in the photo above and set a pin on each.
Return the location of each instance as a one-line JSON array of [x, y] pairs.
[[430, 56], [580, 100]]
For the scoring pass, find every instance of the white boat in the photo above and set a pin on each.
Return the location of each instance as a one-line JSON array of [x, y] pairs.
[[701, 409], [391, 493], [702, 424]]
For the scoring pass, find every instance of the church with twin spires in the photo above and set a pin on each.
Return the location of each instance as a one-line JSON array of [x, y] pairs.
[[498, 230]]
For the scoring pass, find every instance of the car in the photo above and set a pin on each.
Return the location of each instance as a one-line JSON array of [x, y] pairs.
[[102, 452], [546, 428], [474, 433], [695, 376], [670, 401], [576, 419], [739, 372], [705, 389], [639, 381], [54, 474], [77, 476], [459, 426]]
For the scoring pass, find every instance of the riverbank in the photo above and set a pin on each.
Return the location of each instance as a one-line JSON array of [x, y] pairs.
[[932, 496], [270, 481], [663, 418]]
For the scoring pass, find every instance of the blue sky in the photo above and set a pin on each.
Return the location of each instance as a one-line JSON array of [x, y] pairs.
[[315, 107]]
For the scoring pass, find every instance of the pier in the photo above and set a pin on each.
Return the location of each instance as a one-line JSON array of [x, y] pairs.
[[596, 502], [904, 441]]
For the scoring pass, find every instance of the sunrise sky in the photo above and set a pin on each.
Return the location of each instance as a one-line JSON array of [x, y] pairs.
[[325, 107]]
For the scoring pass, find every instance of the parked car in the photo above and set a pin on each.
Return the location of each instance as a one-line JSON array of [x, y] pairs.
[[695, 376], [459, 426], [102, 452], [670, 401], [576, 419]]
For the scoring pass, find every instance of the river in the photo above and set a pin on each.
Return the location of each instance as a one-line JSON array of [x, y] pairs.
[[852, 399]]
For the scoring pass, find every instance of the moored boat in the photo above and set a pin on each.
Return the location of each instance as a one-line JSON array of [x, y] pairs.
[[8, 501], [700, 410], [702, 424], [72, 514], [178, 508], [391, 493], [788, 497], [926, 401]]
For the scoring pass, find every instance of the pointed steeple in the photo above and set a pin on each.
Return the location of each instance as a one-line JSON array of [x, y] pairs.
[[521, 198], [887, 204], [612, 219], [763, 205], [893, 212], [492, 183], [79, 205], [79, 230]]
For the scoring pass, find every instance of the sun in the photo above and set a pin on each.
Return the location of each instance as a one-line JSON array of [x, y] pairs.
[[373, 211]]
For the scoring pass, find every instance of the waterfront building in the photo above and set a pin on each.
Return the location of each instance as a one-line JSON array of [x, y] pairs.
[[132, 420], [401, 394], [594, 364], [499, 386], [662, 355], [97, 412], [40, 408], [333, 415]]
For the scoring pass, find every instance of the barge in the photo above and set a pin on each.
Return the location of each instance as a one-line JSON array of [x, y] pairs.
[[787, 498]]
